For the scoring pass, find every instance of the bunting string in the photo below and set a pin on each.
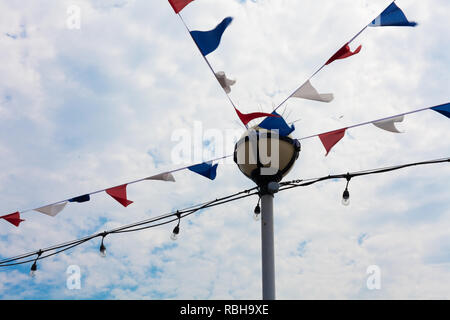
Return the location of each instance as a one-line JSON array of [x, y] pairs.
[[207, 42], [391, 16], [209, 170], [331, 138], [206, 169]]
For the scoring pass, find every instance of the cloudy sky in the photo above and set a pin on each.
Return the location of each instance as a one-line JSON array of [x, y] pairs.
[[89, 108]]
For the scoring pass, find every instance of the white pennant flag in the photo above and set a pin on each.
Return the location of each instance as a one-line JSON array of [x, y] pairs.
[[307, 91], [389, 124], [162, 177], [53, 209], [224, 81]]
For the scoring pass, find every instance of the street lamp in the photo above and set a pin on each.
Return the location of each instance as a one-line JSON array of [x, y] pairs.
[[265, 157]]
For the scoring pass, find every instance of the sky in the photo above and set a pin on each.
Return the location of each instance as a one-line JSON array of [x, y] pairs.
[[89, 108]]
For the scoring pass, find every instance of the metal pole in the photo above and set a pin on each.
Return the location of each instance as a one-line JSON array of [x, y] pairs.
[[267, 247]]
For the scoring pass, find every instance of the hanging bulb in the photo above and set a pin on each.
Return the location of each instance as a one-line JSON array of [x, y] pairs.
[[346, 198], [346, 194], [175, 232], [257, 212], [102, 250], [34, 266], [102, 247], [33, 270]]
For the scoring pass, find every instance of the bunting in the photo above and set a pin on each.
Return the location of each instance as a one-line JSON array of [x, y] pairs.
[[329, 139], [443, 109], [179, 5], [52, 209], [307, 91], [392, 16], [343, 53], [389, 124], [277, 123], [224, 82], [120, 194], [273, 121], [247, 117], [208, 41], [206, 169], [162, 177], [81, 199], [13, 218]]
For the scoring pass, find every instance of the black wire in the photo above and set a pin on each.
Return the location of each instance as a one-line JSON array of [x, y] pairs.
[[46, 256], [73, 243], [180, 214], [360, 173]]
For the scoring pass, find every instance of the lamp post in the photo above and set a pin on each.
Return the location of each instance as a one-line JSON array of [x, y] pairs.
[[266, 157]]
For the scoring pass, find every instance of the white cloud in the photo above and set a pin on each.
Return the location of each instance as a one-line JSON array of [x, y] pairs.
[[81, 109]]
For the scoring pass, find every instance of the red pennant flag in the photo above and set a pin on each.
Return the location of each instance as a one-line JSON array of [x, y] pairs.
[[120, 194], [13, 218], [329, 139], [178, 5], [247, 117], [343, 53]]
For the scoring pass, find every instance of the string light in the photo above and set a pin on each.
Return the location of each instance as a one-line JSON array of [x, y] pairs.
[[154, 222], [257, 211], [102, 246], [176, 230], [33, 269], [346, 194]]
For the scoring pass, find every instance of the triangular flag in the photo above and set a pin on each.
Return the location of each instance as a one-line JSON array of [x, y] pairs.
[[178, 5], [389, 124], [343, 53], [392, 16], [162, 176], [53, 209], [329, 139], [80, 199], [205, 169], [443, 109], [278, 123], [247, 117], [120, 194], [307, 91], [224, 81], [208, 41], [13, 218]]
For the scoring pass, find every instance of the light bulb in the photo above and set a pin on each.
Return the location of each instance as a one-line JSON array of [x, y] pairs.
[[33, 270], [257, 212], [175, 232], [346, 198], [102, 250]]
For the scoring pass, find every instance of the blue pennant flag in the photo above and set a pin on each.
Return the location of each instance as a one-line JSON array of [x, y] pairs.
[[208, 41], [392, 16], [443, 109], [277, 123], [206, 169], [83, 198]]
